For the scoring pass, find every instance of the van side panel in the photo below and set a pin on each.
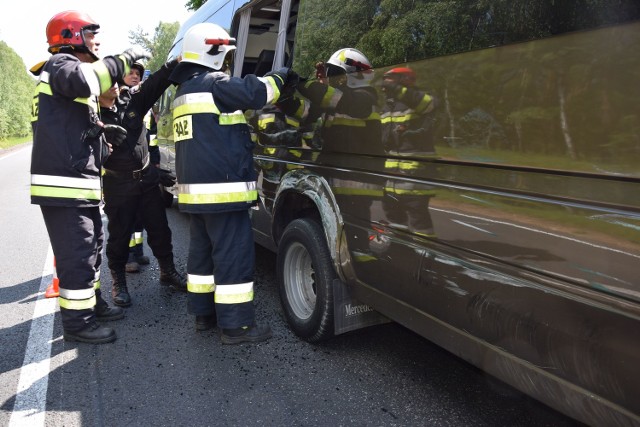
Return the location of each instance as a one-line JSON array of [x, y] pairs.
[[497, 212]]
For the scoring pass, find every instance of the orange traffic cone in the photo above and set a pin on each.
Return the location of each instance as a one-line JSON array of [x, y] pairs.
[[53, 291]]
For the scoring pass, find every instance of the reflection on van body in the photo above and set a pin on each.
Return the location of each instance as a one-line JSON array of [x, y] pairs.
[[474, 178]]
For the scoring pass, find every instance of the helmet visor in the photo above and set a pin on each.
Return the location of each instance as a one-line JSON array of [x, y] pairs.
[[227, 64], [334, 70]]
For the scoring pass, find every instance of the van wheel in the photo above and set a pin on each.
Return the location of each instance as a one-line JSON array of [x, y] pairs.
[[305, 279]]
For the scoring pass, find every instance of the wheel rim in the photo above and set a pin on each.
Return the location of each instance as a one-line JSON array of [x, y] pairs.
[[299, 281]]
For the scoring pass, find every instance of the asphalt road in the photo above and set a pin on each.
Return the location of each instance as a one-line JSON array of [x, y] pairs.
[[161, 372]]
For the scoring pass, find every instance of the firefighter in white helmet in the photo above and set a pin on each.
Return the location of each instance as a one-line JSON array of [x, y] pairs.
[[345, 102], [345, 113], [217, 180]]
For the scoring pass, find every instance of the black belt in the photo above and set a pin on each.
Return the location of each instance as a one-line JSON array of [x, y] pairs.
[[127, 174]]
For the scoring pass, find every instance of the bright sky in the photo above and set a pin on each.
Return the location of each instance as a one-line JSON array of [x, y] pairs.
[[23, 25]]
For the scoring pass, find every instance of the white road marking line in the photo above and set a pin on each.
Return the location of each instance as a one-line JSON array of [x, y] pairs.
[[29, 409], [12, 153], [473, 226], [535, 230]]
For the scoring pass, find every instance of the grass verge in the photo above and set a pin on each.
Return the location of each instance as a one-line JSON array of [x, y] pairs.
[[12, 142]]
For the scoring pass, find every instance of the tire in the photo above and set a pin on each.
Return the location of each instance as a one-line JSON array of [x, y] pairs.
[[305, 280]]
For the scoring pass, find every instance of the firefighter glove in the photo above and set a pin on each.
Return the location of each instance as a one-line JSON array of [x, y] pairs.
[[115, 134], [290, 85], [280, 75], [134, 54], [167, 179]]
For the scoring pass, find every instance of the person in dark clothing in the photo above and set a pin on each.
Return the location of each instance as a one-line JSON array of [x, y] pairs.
[[131, 184], [136, 244], [217, 180], [70, 144]]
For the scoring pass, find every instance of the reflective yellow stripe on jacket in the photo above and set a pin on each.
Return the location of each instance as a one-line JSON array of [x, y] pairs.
[[185, 106], [228, 192], [44, 88], [65, 187], [273, 93]]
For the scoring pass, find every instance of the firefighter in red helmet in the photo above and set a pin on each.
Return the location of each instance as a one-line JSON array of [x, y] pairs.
[[70, 144], [407, 133], [406, 114]]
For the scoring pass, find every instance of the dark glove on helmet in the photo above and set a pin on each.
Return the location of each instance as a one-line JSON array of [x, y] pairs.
[[115, 134], [134, 54]]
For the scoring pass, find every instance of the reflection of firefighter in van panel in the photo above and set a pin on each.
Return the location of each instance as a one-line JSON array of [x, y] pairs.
[[407, 132], [344, 104], [344, 112], [280, 136], [271, 126]]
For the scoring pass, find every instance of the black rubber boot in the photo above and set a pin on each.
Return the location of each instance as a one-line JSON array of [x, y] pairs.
[[92, 334], [169, 276], [104, 313], [253, 333], [132, 265], [119, 291], [138, 254], [204, 323]]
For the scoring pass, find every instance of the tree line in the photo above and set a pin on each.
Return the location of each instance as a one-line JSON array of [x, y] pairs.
[[16, 93], [542, 77]]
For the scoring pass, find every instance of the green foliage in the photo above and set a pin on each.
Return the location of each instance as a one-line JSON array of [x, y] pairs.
[[16, 93], [194, 4], [568, 95], [330, 26], [159, 45], [14, 142]]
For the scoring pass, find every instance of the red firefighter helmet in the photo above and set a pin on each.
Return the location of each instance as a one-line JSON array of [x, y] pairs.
[[66, 29], [403, 75]]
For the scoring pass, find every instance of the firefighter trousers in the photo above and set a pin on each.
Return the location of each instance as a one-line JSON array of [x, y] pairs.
[[77, 237], [221, 267], [136, 243], [122, 210]]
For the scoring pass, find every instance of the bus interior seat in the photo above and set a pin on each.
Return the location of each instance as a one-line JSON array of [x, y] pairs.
[[264, 63]]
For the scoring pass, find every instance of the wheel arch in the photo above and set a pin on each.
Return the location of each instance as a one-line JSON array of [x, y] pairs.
[[302, 194]]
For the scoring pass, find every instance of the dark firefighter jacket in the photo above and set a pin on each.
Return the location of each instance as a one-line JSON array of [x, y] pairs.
[[130, 110], [349, 120], [214, 150], [67, 157], [406, 122], [407, 130]]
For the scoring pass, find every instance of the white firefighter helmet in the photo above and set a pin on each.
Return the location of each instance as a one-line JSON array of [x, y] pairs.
[[209, 45], [356, 66]]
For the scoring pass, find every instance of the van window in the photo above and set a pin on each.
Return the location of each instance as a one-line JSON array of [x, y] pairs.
[[392, 32]]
